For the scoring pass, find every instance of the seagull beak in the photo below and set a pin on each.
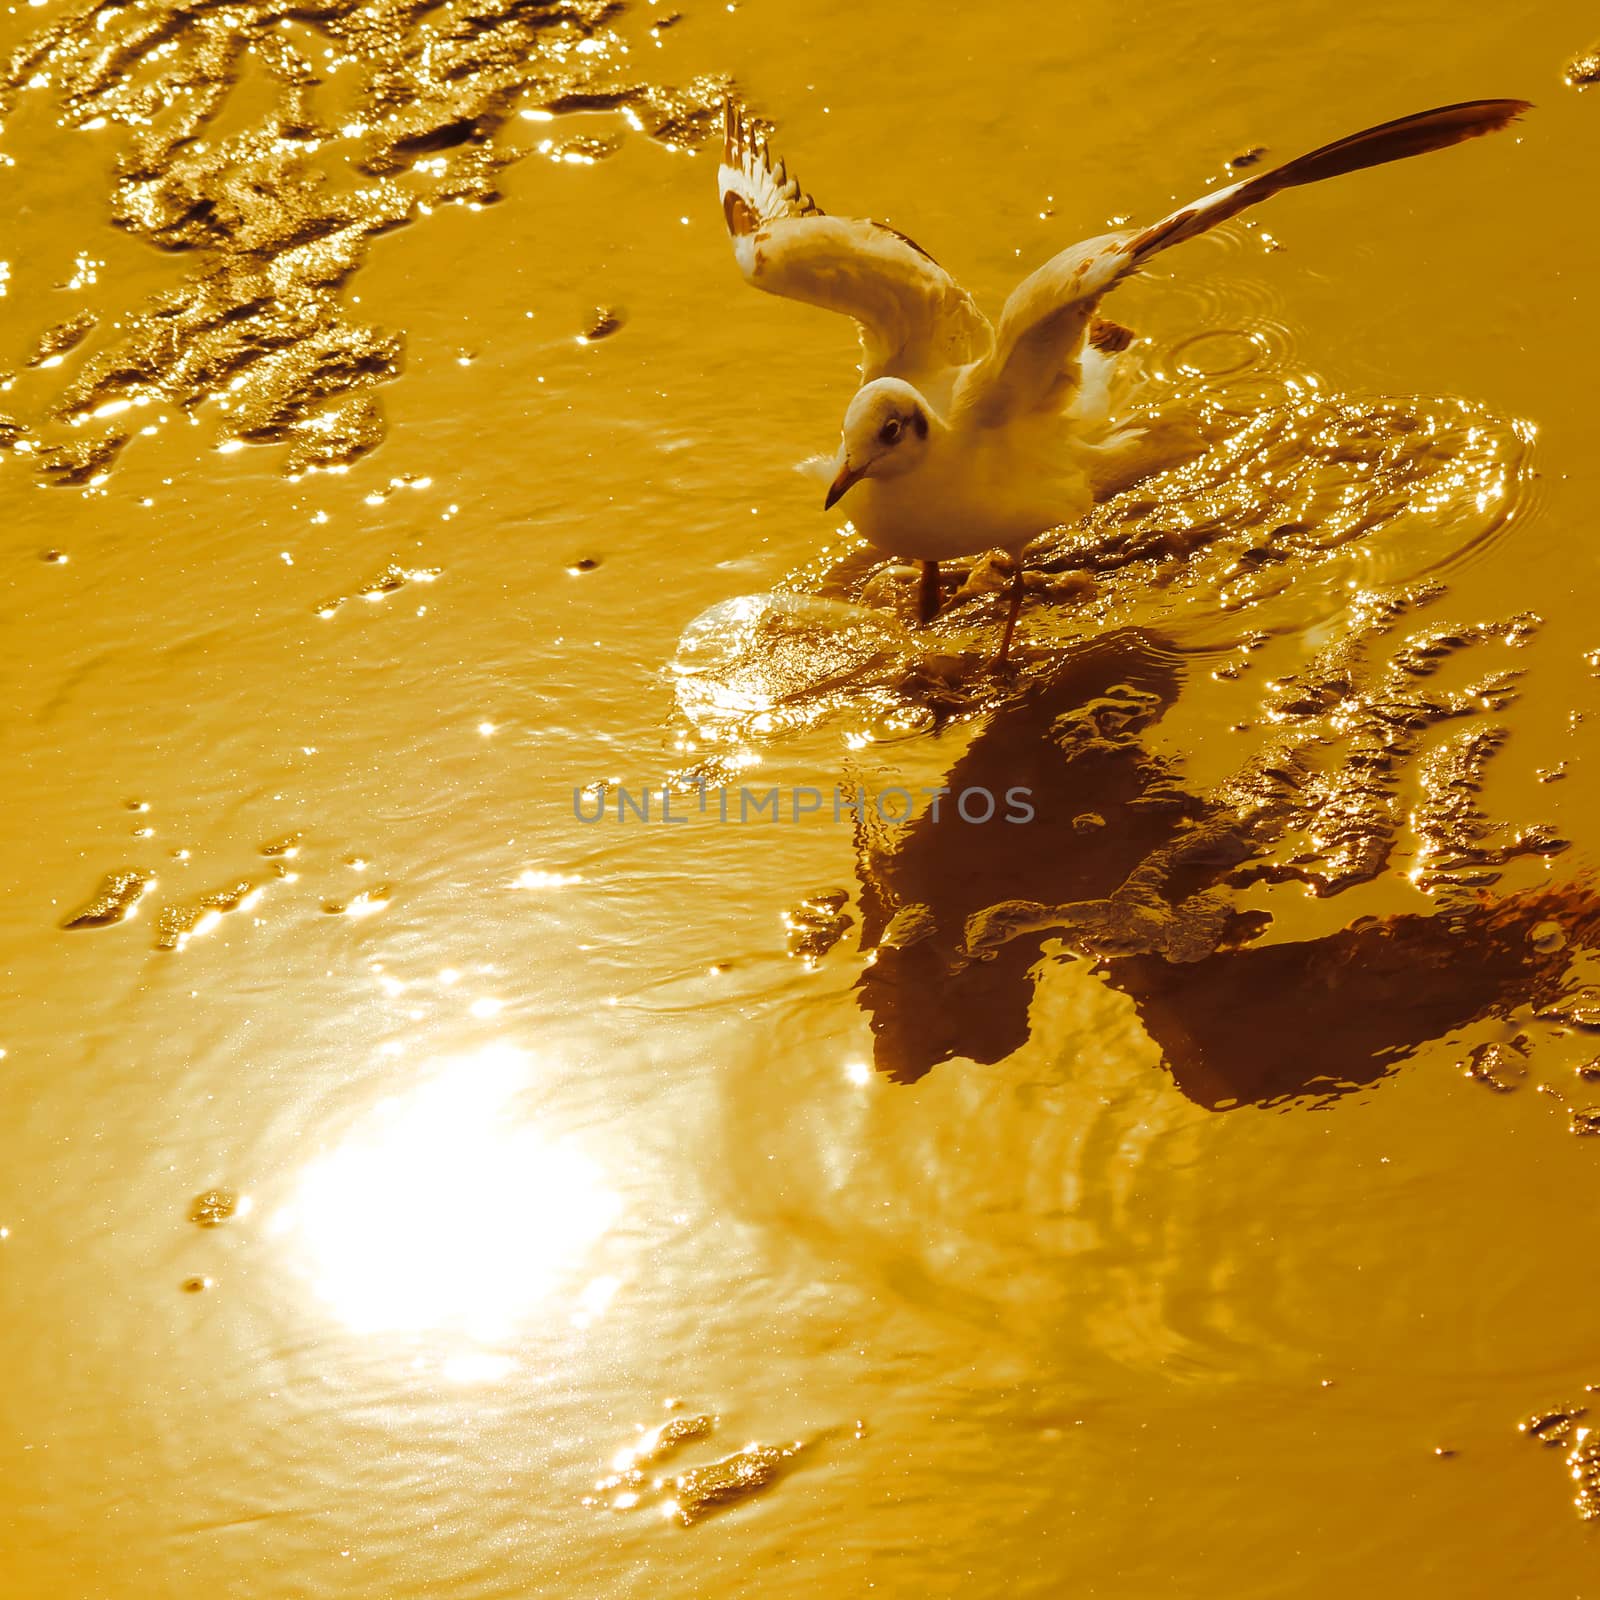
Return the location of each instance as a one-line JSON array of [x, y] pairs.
[[843, 478]]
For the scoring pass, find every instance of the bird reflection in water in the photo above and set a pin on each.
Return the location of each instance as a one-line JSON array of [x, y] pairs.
[[448, 1209], [1125, 866]]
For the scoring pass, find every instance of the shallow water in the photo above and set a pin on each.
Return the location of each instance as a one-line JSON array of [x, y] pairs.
[[1189, 1192]]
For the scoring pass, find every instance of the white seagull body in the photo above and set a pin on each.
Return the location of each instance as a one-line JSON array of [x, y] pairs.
[[965, 438]]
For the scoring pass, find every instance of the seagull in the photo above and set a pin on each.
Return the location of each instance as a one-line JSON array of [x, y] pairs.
[[965, 438]]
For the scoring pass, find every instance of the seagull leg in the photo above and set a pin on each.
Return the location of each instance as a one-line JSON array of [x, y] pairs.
[[928, 593], [1011, 616]]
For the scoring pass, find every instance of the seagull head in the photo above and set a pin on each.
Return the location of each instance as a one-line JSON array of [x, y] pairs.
[[885, 434]]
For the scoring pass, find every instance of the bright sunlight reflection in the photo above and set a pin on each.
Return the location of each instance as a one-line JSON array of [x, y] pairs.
[[445, 1208]]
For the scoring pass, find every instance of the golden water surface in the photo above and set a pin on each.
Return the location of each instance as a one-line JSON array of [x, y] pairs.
[[408, 1188]]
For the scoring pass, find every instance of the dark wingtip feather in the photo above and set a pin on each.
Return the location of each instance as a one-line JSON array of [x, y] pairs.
[[1416, 135], [1109, 337]]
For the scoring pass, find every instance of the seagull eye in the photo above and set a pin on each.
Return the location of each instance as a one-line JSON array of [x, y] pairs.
[[890, 431]]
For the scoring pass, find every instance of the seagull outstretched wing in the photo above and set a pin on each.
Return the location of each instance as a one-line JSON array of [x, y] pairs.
[[916, 321], [1035, 363]]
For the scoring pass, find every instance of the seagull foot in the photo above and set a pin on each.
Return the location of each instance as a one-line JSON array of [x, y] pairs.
[[1018, 587]]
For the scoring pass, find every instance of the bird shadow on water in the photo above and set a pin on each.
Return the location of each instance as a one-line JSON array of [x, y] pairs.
[[1168, 888], [1307, 515]]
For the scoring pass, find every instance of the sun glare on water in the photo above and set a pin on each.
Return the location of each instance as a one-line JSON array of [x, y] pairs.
[[448, 1209]]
